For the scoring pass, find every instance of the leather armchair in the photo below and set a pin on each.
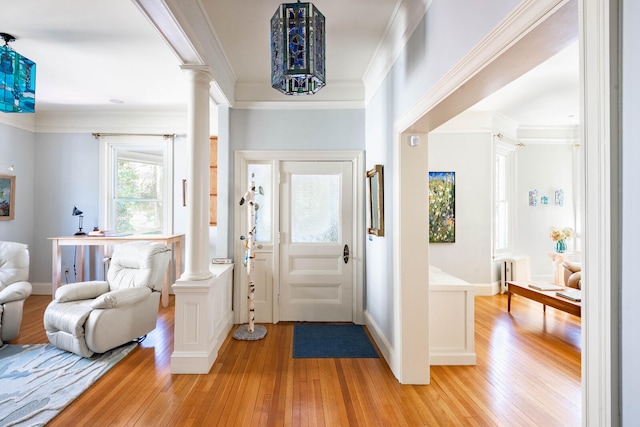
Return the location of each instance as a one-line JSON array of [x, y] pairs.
[[97, 316], [572, 274], [14, 287]]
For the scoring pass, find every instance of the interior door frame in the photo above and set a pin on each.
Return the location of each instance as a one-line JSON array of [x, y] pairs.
[[242, 159]]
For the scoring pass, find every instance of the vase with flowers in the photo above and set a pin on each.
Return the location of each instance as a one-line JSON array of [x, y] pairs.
[[560, 236]]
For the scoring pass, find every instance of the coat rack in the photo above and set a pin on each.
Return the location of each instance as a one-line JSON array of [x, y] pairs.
[[250, 331]]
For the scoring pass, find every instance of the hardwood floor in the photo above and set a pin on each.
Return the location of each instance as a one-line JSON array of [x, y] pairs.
[[528, 374]]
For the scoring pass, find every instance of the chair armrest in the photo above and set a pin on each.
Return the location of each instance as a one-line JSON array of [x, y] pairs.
[[81, 290], [121, 297], [15, 292], [575, 280]]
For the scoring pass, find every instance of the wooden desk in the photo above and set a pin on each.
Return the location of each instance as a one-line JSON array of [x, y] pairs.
[[546, 298], [177, 240]]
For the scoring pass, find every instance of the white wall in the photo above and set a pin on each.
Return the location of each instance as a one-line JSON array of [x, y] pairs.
[[545, 168], [470, 156]]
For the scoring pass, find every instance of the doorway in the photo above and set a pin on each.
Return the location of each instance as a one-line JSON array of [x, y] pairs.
[[308, 263], [316, 228]]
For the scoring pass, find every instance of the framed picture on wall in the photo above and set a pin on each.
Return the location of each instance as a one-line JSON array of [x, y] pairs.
[[442, 207], [7, 197], [376, 201]]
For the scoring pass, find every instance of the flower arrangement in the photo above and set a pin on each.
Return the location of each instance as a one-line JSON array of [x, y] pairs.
[[557, 234]]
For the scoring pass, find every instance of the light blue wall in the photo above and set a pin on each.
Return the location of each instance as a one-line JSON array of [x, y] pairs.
[[448, 32], [54, 172], [630, 290], [66, 174], [282, 130], [17, 148], [298, 129]]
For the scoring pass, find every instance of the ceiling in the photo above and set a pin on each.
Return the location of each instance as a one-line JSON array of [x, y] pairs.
[[106, 56]]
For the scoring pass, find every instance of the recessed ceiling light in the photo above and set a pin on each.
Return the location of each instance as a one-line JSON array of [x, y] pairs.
[[116, 101]]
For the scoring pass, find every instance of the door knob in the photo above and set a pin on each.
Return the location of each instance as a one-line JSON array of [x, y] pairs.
[[345, 254]]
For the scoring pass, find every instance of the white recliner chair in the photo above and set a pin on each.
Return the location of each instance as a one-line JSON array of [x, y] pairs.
[[97, 316], [14, 287]]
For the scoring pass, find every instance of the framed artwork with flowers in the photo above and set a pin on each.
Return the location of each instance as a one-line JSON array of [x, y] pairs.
[[442, 207]]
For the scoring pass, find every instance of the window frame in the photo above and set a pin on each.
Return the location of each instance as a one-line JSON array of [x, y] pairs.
[[109, 146], [506, 150]]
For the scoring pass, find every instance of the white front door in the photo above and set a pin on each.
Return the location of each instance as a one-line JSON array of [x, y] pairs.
[[316, 232]]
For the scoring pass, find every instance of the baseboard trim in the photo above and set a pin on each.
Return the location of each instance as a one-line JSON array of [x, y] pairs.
[[384, 346], [486, 289], [451, 359], [41, 288]]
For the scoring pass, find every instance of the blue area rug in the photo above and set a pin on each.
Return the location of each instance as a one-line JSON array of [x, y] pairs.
[[319, 340], [37, 381]]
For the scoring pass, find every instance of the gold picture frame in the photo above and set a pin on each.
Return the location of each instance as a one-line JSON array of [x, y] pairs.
[[376, 201], [7, 197]]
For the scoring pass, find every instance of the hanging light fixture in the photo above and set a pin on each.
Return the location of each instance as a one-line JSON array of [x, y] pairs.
[[298, 49], [17, 80]]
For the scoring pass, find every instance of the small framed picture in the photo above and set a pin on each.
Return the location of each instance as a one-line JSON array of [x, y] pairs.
[[559, 197], [533, 197], [7, 197]]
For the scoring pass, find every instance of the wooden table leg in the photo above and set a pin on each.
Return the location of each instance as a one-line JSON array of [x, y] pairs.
[[56, 267], [80, 262], [508, 302]]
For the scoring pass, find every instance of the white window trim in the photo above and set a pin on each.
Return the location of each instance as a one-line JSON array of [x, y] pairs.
[[108, 144], [502, 147]]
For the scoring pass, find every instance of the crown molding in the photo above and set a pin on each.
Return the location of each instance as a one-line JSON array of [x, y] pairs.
[[263, 96], [555, 135], [168, 122], [25, 121]]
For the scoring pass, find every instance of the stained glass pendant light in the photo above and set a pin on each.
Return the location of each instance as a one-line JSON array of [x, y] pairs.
[[17, 80], [298, 49]]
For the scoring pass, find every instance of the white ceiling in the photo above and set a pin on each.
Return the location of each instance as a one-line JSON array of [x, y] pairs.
[[106, 56], [548, 95]]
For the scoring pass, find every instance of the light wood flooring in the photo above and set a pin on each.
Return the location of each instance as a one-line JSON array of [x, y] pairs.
[[528, 374]]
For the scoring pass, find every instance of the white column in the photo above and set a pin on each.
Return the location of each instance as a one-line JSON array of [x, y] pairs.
[[197, 236]]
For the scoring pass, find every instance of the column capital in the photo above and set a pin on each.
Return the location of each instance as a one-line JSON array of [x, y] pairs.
[[201, 72]]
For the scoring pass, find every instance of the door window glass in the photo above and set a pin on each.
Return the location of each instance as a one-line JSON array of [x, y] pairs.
[[263, 195], [315, 208]]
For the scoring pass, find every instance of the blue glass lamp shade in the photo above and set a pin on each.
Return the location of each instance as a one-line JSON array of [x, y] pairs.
[[17, 82], [298, 49]]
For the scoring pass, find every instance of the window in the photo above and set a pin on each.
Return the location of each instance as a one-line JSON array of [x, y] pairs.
[[138, 192], [136, 196], [261, 173], [503, 195], [213, 180]]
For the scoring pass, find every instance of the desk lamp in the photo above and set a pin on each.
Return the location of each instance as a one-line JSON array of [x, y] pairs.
[[77, 212]]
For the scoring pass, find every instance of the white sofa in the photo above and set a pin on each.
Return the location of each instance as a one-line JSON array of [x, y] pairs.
[[97, 316], [14, 287]]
